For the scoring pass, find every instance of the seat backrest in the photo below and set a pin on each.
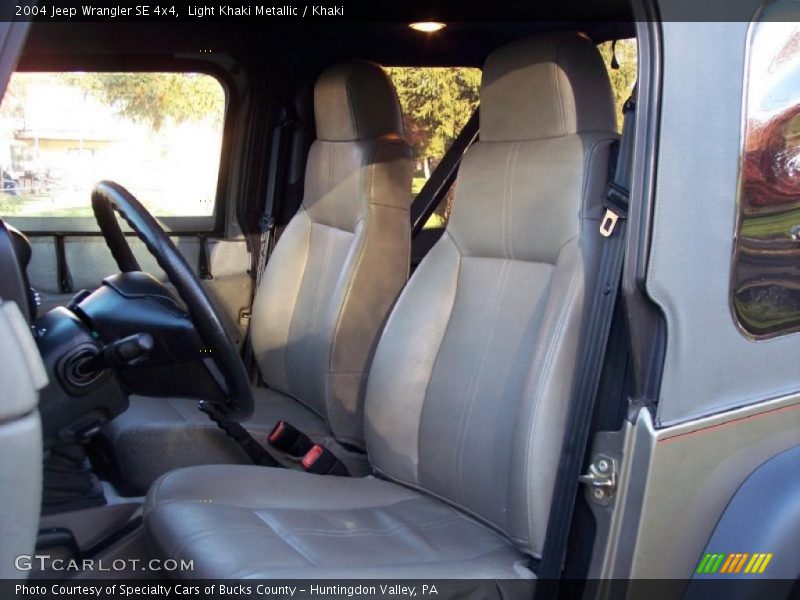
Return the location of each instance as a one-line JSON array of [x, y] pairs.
[[22, 374], [470, 384], [344, 257]]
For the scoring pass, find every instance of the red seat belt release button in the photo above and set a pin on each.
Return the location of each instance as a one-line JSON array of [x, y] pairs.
[[289, 439], [322, 461], [277, 431]]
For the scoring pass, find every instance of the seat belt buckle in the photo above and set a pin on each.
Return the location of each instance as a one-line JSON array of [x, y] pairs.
[[321, 461], [288, 439]]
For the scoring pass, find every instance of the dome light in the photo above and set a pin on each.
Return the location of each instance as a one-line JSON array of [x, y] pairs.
[[428, 26]]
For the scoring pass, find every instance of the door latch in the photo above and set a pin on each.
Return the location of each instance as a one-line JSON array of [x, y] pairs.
[[601, 479]]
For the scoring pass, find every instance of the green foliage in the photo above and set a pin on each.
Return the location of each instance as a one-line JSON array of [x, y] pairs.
[[437, 103], [154, 98], [622, 79]]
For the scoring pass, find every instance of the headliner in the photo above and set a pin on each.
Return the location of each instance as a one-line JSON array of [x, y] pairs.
[[390, 43]]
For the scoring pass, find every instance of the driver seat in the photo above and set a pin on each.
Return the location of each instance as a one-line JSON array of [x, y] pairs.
[[469, 388], [323, 298]]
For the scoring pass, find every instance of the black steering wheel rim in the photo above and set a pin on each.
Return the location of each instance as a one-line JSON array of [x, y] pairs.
[[109, 198]]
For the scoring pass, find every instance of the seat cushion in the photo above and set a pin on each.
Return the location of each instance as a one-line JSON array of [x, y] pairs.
[[156, 435], [251, 522]]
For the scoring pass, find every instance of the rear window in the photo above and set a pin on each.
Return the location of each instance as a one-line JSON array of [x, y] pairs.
[[437, 102], [157, 134]]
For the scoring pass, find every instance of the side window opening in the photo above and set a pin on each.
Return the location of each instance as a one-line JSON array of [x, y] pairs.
[[158, 134], [437, 102]]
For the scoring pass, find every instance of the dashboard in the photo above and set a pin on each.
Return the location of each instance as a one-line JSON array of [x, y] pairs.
[[130, 335]]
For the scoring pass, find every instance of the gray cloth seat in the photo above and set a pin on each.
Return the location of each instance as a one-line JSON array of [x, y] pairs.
[[469, 388], [333, 276]]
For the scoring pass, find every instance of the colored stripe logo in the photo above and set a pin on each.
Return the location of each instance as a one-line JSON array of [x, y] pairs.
[[735, 562]]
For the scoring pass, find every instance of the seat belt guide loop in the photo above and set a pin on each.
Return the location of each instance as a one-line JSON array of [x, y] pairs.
[[616, 208], [608, 223]]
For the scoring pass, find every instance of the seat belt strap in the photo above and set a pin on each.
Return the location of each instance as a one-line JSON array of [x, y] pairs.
[[203, 262], [266, 223], [592, 352], [443, 176], [618, 186], [266, 230], [240, 435]]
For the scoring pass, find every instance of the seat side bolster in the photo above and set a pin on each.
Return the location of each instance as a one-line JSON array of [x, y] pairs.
[[394, 406], [539, 429], [379, 262], [276, 299]]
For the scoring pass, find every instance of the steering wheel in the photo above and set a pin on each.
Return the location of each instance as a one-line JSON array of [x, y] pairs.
[[109, 197]]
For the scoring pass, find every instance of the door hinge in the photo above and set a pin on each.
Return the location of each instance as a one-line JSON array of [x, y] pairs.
[[601, 479]]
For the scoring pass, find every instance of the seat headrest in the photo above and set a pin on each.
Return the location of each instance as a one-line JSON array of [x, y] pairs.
[[356, 101], [545, 86]]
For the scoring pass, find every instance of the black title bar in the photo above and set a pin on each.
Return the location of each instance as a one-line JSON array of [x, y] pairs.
[[167, 11]]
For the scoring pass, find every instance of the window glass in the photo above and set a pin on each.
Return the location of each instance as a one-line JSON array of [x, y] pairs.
[[437, 102], [766, 276], [157, 134]]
